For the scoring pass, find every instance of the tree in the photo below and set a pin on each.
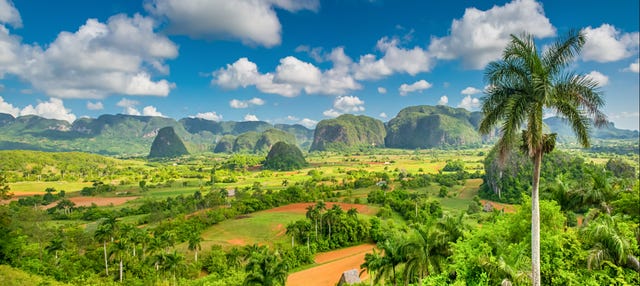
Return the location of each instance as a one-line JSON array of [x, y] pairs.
[[520, 87], [266, 269], [5, 191], [391, 259], [608, 243], [194, 243]]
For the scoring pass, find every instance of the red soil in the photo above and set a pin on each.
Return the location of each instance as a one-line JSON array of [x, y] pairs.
[[334, 263], [87, 201], [237, 241], [302, 208], [499, 206]]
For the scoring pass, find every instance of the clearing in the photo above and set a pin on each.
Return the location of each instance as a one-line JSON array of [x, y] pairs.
[[301, 208]]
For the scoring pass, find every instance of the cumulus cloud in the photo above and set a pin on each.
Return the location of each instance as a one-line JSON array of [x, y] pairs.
[[470, 91], [395, 60], [382, 90], [469, 103], [596, 76], [309, 123], [608, 44], [235, 103], [480, 36], [418, 86], [127, 103], [348, 104], [291, 77], [116, 57], [9, 14], [211, 115], [254, 22], [130, 110], [8, 108], [633, 67], [382, 115], [251, 117], [443, 100], [95, 105], [151, 111], [52, 109], [331, 113]]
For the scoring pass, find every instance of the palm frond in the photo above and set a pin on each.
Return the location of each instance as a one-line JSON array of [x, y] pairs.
[[563, 52]]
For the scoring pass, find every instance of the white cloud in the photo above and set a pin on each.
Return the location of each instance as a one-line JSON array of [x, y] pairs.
[[443, 100], [383, 115], [151, 111], [296, 72], [624, 114], [291, 77], [52, 109], [331, 113], [8, 108], [470, 91], [127, 103], [95, 105], [601, 79], [129, 110], [309, 123], [254, 22], [235, 103], [480, 36], [382, 90], [116, 57], [250, 117], [416, 86], [211, 115], [9, 14], [608, 44], [347, 104], [469, 103], [395, 60], [633, 67]]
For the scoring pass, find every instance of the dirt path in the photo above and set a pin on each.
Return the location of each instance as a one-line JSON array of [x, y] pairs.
[[302, 208], [331, 265]]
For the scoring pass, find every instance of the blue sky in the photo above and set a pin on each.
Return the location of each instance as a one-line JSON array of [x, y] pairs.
[[290, 61]]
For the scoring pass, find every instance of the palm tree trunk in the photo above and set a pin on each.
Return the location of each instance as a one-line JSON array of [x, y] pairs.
[[120, 269], [196, 256], [535, 220], [106, 266]]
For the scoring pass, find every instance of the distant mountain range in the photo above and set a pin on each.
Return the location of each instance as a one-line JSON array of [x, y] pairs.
[[128, 135]]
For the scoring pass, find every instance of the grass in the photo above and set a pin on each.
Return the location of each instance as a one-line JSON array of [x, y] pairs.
[[261, 227], [10, 276], [33, 187]]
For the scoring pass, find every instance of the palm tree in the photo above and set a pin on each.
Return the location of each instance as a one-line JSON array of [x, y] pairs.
[[119, 249], [266, 269], [372, 262], [424, 252], [313, 213], [55, 245], [521, 86], [608, 244], [194, 241], [391, 259], [103, 234], [174, 263]]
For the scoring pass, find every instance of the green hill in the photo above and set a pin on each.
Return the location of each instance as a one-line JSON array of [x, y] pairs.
[[270, 137], [284, 157], [348, 131], [225, 144], [433, 126], [167, 145]]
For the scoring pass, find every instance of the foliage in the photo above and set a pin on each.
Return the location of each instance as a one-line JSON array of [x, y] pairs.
[[284, 157], [348, 131], [167, 144]]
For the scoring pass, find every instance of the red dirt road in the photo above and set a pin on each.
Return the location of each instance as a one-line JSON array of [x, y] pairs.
[[302, 208], [331, 265], [500, 206]]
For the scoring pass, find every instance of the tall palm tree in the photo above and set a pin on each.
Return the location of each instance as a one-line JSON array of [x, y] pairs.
[[194, 241], [521, 86], [313, 213], [392, 258], [424, 252], [103, 234]]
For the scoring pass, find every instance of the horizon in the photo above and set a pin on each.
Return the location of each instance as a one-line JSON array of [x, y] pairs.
[[291, 62]]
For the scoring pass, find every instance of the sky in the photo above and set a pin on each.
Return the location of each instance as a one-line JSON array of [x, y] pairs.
[[292, 61]]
